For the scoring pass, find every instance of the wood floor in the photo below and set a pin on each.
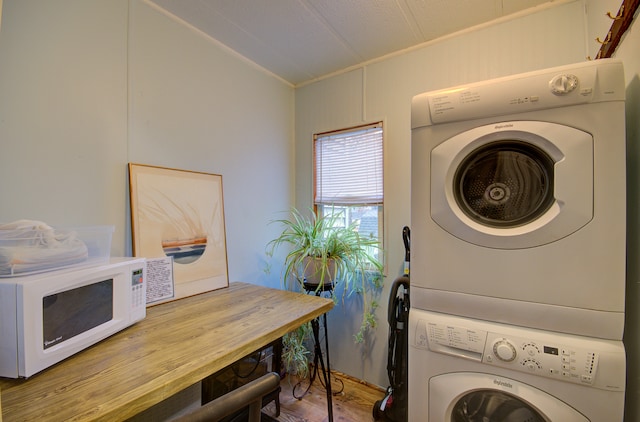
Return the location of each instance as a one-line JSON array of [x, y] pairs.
[[353, 404]]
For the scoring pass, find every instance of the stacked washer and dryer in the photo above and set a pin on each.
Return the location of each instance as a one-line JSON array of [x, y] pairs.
[[518, 219]]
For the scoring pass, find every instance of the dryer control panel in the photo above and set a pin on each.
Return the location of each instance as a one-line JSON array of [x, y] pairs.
[[561, 86], [567, 357]]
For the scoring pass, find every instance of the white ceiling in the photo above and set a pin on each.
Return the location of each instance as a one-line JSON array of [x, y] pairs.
[[301, 40]]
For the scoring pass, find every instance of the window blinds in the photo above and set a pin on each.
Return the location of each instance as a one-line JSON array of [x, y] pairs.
[[348, 167]]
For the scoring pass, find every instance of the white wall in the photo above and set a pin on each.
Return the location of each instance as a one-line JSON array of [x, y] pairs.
[[63, 113], [88, 86], [195, 106]]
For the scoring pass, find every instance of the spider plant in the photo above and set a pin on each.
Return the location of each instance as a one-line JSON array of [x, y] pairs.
[[323, 254]]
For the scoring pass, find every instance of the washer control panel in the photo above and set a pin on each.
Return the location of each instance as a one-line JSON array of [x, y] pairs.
[[538, 353], [541, 357]]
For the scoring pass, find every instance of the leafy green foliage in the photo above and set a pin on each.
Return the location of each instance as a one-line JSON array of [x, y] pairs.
[[295, 354], [322, 252]]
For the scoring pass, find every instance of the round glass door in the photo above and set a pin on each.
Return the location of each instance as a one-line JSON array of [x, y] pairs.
[[505, 184], [479, 397], [512, 185], [496, 406]]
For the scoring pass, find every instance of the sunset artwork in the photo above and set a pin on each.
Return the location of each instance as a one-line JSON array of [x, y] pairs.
[[180, 214]]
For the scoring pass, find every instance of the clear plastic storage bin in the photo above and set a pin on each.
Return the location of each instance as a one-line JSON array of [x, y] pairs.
[[37, 249]]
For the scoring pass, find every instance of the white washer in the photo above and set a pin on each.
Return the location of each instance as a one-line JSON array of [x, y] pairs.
[[518, 200], [464, 370]]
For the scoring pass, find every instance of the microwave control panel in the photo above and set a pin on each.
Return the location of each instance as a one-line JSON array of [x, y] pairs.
[[138, 292]]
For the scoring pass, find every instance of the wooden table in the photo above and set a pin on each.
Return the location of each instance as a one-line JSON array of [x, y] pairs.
[[177, 345]]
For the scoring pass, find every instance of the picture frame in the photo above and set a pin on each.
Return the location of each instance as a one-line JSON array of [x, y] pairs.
[[178, 215]]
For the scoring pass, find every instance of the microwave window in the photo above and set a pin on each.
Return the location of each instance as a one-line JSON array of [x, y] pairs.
[[72, 312]]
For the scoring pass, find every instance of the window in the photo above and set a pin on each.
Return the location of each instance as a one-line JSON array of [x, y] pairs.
[[348, 177]]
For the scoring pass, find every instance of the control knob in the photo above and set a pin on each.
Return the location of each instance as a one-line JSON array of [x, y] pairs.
[[531, 364], [504, 350], [531, 349], [563, 84]]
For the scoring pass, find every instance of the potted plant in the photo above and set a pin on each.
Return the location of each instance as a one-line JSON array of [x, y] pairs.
[[324, 254]]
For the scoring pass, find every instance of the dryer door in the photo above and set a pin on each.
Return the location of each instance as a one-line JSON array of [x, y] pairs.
[[474, 397], [513, 185]]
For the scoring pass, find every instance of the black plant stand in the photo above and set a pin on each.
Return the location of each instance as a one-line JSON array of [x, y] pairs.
[[325, 380]]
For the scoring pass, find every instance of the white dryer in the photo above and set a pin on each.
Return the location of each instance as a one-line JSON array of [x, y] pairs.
[[465, 370], [518, 200]]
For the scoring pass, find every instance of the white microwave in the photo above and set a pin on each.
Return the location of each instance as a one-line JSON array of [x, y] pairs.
[[47, 317]]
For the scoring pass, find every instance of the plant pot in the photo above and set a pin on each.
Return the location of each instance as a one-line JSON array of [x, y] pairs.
[[319, 273]]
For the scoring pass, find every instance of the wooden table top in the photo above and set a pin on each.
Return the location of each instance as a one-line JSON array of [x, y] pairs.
[[178, 344]]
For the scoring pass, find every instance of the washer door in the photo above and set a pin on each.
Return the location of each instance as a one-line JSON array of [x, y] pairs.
[[513, 185], [473, 397]]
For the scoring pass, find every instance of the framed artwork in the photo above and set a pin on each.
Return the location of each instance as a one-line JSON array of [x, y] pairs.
[[179, 214]]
